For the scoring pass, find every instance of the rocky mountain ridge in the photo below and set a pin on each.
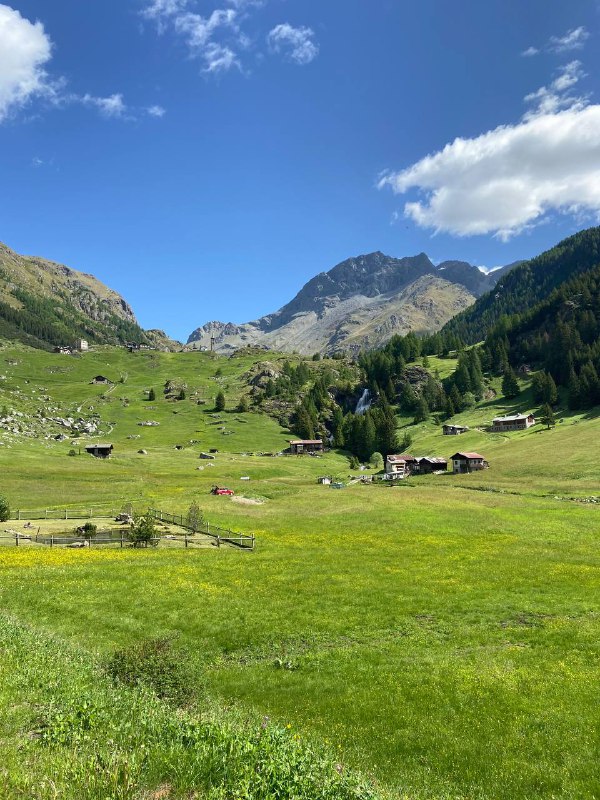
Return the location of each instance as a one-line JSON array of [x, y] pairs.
[[43, 303], [359, 304]]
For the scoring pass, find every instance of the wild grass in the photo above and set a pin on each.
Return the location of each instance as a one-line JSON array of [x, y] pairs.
[[441, 635]]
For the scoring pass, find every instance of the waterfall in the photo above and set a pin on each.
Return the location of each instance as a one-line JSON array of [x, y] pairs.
[[364, 404]]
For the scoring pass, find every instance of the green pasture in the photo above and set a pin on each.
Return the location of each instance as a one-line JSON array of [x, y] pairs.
[[441, 636]]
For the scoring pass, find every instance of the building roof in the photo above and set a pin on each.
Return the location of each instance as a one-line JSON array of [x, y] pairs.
[[468, 455], [398, 459], [513, 418], [434, 459], [306, 441], [462, 427], [98, 446]]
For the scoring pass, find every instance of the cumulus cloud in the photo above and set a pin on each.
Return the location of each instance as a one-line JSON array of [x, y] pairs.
[[201, 34], [296, 43], [510, 178], [156, 111], [574, 39], [25, 50]]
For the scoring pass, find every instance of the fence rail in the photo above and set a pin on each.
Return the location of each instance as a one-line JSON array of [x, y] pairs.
[[218, 534], [61, 513]]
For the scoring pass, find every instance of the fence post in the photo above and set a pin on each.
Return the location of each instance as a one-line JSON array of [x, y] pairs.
[[186, 539], [121, 539], [66, 514], [19, 514], [46, 514], [51, 539], [218, 540], [160, 516], [17, 540], [253, 541]]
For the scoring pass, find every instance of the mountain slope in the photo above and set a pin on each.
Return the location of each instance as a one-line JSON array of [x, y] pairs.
[[528, 283], [359, 304], [43, 303]]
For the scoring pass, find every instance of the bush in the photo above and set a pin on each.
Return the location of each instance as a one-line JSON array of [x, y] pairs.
[[4, 509], [377, 461], [72, 452], [143, 531], [354, 462], [243, 405], [155, 664], [89, 530], [194, 517], [151, 395]]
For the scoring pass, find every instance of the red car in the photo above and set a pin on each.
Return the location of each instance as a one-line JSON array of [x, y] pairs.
[[221, 490]]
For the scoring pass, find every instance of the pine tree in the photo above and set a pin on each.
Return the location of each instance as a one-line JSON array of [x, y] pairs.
[[220, 402], [151, 395], [422, 411], [548, 415], [510, 384], [304, 425], [243, 405]]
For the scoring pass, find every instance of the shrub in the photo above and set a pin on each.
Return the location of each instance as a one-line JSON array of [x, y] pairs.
[[155, 664], [4, 509], [151, 395], [243, 405], [143, 531], [89, 530], [194, 517], [354, 462], [377, 461], [72, 452]]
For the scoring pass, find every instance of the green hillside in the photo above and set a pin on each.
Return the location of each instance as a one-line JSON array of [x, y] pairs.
[[527, 284], [440, 636]]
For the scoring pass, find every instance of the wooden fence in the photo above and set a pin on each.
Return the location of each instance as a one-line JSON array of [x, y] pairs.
[[219, 535], [214, 531], [61, 513]]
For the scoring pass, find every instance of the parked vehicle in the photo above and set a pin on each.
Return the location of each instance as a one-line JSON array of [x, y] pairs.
[[221, 490]]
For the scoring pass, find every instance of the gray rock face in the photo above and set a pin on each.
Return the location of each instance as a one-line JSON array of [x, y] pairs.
[[359, 304]]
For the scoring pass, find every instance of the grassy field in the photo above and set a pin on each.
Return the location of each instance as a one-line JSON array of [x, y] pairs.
[[441, 636]]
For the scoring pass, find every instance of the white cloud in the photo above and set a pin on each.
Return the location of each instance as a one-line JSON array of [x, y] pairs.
[[156, 111], [25, 49], [510, 178], [296, 43], [557, 95], [531, 51], [198, 32], [574, 39], [112, 106]]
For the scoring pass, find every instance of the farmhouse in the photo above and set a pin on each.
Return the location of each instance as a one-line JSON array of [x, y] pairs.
[[399, 466], [100, 450], [514, 422], [299, 446], [454, 430], [468, 462], [100, 380], [81, 344], [429, 464], [65, 351]]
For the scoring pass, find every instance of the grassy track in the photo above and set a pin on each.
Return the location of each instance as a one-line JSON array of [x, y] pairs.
[[442, 635]]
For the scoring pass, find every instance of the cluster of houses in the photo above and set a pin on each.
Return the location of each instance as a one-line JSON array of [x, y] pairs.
[[78, 346], [401, 466]]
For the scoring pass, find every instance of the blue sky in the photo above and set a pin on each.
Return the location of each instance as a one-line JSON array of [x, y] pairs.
[[207, 158]]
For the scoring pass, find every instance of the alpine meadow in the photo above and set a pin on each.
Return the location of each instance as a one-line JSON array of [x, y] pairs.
[[347, 549]]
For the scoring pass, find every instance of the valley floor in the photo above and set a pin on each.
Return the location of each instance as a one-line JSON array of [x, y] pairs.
[[442, 636]]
